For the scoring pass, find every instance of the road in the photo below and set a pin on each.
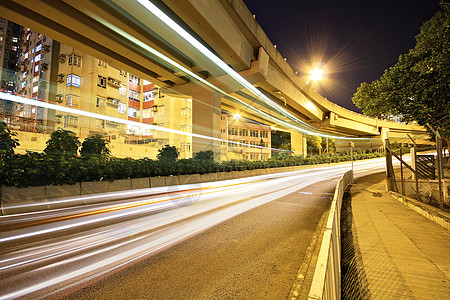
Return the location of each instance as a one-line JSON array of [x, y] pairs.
[[242, 239]]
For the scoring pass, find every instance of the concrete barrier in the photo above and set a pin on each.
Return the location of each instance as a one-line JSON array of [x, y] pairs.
[[172, 180], [157, 181], [22, 200], [205, 178], [90, 188], [119, 185], [140, 183], [61, 196], [222, 175]]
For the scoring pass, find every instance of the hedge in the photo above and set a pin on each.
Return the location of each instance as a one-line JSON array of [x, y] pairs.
[[38, 169]]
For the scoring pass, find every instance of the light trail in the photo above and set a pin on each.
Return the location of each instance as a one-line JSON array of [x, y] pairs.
[[117, 235]]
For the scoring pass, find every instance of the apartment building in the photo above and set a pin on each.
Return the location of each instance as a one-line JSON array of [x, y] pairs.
[[57, 73], [246, 139]]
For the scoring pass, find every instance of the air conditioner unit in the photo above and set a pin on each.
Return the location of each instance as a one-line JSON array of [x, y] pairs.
[[44, 67], [62, 58], [46, 48]]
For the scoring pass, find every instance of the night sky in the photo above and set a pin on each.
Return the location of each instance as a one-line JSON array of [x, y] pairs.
[[355, 40]]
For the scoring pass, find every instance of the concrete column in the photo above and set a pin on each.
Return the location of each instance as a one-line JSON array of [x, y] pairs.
[[206, 108], [298, 144], [384, 135]]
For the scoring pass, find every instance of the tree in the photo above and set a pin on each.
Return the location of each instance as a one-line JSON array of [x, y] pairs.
[[62, 143], [168, 154], [315, 143], [417, 86], [7, 140], [95, 145], [204, 155]]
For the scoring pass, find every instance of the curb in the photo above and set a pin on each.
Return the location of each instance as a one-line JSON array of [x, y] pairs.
[[429, 212]]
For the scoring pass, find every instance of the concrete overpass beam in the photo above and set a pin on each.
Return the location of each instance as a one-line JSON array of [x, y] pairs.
[[206, 108], [298, 144]]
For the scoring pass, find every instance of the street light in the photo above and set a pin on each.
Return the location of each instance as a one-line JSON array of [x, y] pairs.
[[316, 74]]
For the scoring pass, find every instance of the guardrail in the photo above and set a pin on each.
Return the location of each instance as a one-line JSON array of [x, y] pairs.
[[326, 282]]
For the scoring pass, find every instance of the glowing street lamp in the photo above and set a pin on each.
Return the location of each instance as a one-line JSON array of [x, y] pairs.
[[237, 116], [316, 74]]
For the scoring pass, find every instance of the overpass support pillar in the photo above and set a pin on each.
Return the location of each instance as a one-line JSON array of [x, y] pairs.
[[206, 108], [298, 144], [384, 135]]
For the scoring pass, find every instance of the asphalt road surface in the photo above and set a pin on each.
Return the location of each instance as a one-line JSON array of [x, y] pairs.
[[236, 239]]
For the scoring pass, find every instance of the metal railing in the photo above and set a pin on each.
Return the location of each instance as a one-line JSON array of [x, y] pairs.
[[326, 282]]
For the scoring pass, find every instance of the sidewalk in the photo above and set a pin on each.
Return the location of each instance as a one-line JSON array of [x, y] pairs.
[[390, 251]]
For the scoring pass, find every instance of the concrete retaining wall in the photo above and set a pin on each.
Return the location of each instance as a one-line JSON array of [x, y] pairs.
[[21, 200]]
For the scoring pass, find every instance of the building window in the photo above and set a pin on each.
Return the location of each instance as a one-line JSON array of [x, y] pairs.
[[186, 112], [185, 147], [101, 81], [35, 89], [74, 60], [73, 80], [232, 131], [38, 47], [123, 73], [37, 58], [148, 96], [133, 112], [72, 100], [254, 133], [263, 134], [243, 132], [147, 113], [101, 102], [133, 95], [35, 79], [36, 68], [160, 110], [70, 121], [101, 63], [186, 128], [122, 108], [134, 79], [123, 89]]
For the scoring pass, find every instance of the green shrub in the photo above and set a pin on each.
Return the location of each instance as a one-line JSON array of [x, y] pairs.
[[8, 142], [95, 145], [62, 143], [168, 154]]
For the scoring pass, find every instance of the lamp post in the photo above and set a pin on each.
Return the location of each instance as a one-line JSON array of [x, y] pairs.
[[351, 144]]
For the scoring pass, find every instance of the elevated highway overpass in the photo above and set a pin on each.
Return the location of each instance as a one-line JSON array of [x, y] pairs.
[[214, 51]]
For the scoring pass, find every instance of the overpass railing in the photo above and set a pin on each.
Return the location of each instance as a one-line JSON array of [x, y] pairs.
[[326, 282]]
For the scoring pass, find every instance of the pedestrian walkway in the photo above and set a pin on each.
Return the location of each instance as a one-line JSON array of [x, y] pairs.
[[390, 251]]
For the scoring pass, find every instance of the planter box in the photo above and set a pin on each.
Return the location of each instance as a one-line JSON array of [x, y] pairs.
[[222, 175], [172, 180], [213, 177], [205, 178], [261, 171], [120, 185], [61, 196], [157, 181], [140, 183], [21, 200]]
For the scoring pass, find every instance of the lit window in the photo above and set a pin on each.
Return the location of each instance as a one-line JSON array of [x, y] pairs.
[[102, 63], [148, 96], [133, 112], [36, 68], [35, 79], [123, 89], [24, 83], [73, 80], [101, 82], [35, 89], [161, 110], [38, 47], [15, 40], [134, 79], [26, 55], [37, 57], [122, 108], [133, 95]]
